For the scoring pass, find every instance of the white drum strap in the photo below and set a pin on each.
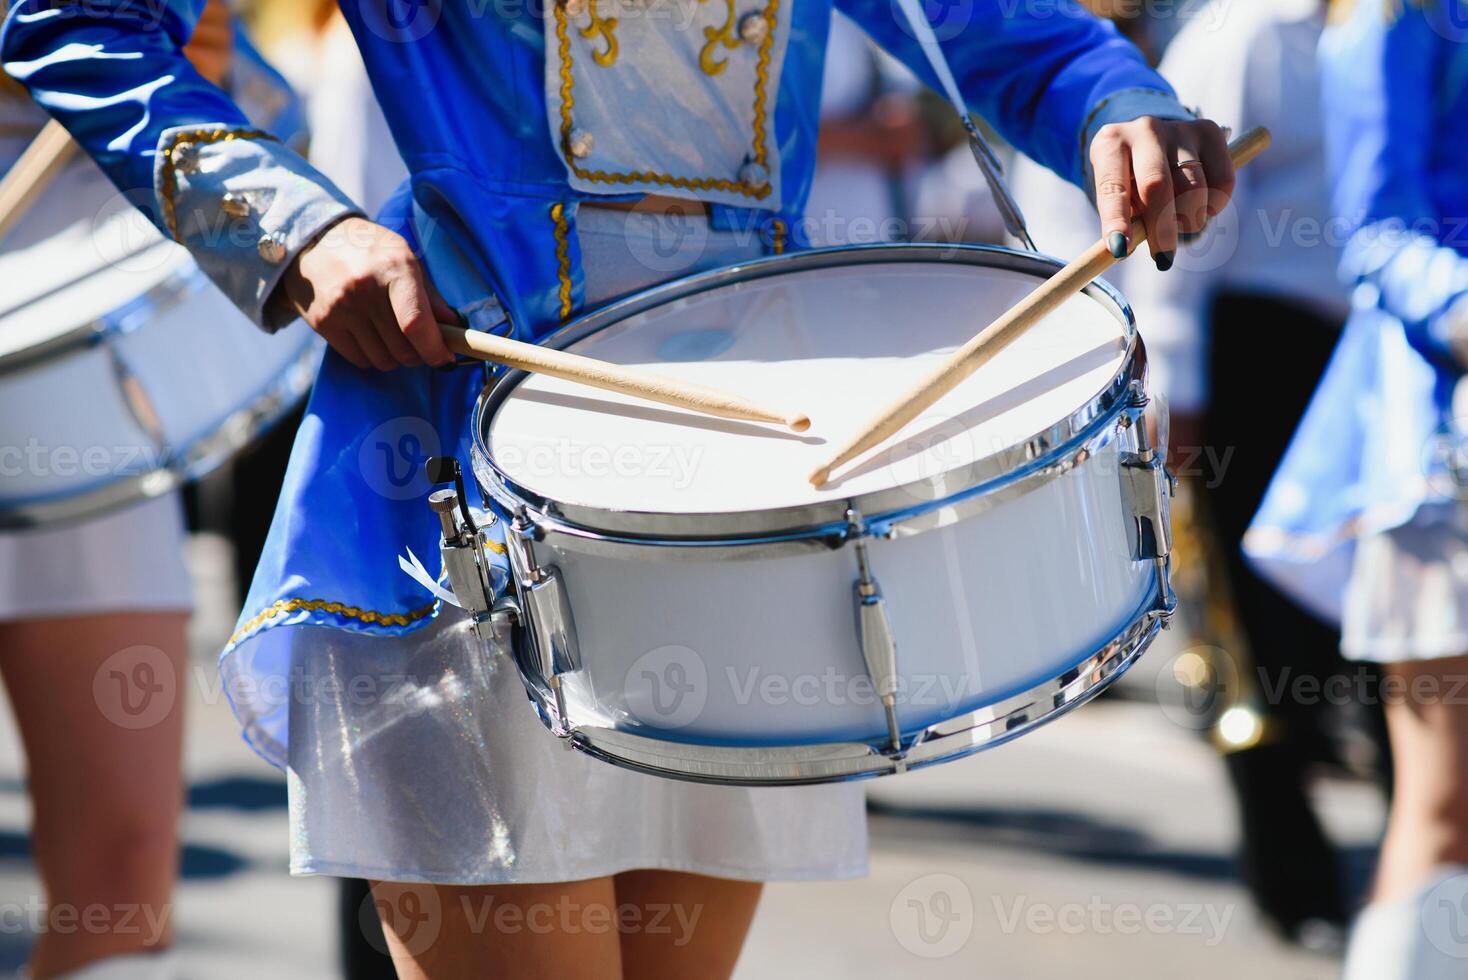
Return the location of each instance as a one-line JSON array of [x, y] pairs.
[[993, 170]]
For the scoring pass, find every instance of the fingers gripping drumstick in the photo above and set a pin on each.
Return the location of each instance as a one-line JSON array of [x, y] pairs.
[[1006, 330]]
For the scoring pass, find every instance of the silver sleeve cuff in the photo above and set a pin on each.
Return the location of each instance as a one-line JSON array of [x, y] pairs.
[[1124, 106], [244, 205]]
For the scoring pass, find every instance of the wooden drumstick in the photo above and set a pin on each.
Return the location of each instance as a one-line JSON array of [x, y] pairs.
[[30, 174], [1007, 329], [613, 377]]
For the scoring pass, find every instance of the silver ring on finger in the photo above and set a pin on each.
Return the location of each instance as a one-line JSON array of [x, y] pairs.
[[1183, 165]]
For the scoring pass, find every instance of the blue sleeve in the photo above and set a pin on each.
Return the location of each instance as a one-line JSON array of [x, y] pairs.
[[1384, 85], [1046, 80], [114, 74]]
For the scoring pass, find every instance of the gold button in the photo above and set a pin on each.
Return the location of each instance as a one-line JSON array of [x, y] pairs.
[[579, 143], [235, 205], [272, 249], [575, 8], [754, 27]]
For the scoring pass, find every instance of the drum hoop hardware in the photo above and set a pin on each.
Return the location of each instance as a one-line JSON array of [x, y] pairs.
[[535, 601], [803, 526]]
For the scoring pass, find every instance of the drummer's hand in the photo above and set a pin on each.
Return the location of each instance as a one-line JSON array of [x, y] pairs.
[[1173, 173], [361, 287]]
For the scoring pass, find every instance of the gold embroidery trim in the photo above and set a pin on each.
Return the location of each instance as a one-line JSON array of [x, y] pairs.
[[168, 179], [714, 36], [759, 155], [563, 257], [778, 232], [282, 606], [605, 28]]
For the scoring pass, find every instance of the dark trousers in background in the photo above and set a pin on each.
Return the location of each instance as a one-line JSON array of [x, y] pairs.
[[1266, 357]]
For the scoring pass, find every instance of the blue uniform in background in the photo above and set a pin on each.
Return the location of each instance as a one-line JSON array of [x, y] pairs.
[[1376, 449]]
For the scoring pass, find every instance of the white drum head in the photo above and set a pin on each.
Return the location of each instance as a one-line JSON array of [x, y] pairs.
[[837, 343]]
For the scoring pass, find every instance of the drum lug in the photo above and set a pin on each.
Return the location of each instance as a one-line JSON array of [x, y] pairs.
[[544, 611], [1146, 489], [874, 630], [461, 546]]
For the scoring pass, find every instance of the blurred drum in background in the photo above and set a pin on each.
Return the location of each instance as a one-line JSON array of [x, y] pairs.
[[123, 371], [684, 603]]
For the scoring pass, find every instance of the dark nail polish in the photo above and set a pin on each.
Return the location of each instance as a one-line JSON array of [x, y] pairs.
[[1116, 241], [1164, 261]]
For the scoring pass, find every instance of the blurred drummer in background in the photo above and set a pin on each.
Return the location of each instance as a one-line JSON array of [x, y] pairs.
[[92, 630]]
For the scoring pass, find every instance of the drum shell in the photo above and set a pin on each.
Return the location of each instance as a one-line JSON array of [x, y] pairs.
[[765, 651]]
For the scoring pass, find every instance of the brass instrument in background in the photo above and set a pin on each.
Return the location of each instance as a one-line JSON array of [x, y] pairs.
[[1217, 670]]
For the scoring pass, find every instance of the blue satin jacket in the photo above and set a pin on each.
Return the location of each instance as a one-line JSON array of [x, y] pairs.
[[1377, 446], [508, 116]]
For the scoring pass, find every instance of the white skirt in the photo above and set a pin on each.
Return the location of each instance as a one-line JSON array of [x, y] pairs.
[[419, 758], [1407, 598], [130, 560]]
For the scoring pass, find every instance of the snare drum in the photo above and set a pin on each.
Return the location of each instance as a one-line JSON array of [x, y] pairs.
[[684, 603], [123, 371]]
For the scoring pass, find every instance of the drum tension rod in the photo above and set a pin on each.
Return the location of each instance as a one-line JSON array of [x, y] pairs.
[[874, 630]]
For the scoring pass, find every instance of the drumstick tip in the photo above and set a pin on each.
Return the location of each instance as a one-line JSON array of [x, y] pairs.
[[819, 478], [798, 423]]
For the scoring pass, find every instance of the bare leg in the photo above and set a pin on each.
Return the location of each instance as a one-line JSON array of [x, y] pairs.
[[676, 926], [1428, 827], [100, 708], [516, 932]]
